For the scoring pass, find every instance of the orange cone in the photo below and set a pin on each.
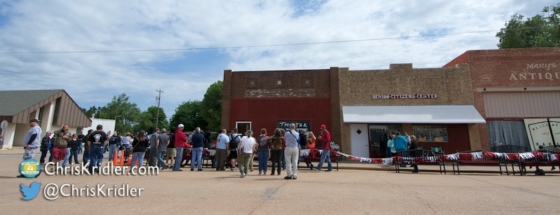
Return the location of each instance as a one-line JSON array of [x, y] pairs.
[[122, 158], [115, 157]]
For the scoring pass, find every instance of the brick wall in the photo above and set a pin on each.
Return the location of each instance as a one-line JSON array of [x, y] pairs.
[[509, 69], [452, 86], [285, 94]]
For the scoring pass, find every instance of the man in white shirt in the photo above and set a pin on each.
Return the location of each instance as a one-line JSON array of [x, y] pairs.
[[291, 153], [245, 150]]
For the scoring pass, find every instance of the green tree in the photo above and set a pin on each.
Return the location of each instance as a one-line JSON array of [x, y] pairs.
[[542, 30], [125, 113], [147, 120], [212, 106], [188, 114]]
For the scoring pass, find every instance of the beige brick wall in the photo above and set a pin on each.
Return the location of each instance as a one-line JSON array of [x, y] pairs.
[[452, 85]]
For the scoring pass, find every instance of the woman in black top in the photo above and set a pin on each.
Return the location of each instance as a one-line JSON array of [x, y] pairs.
[[139, 146], [73, 145]]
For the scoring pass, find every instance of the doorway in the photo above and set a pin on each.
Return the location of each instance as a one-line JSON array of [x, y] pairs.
[[378, 137], [243, 127]]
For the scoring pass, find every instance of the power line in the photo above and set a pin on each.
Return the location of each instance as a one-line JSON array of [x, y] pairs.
[[248, 46]]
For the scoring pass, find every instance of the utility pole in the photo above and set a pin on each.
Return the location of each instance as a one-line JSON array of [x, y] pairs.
[[158, 98]]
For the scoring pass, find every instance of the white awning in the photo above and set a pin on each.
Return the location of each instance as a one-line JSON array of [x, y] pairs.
[[440, 114]]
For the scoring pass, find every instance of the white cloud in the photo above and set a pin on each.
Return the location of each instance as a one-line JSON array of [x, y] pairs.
[[93, 78]]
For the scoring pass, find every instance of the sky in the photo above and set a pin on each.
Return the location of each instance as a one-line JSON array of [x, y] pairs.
[[99, 49]]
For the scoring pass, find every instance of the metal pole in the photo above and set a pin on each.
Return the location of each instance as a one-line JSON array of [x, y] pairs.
[[158, 102]]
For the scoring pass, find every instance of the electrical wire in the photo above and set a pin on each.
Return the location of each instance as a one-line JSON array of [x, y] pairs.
[[248, 46]]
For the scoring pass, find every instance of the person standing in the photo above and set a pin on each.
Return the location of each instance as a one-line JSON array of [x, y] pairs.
[[234, 140], [139, 146], [154, 142], [276, 151], [221, 150], [86, 156], [60, 145], [180, 143], [31, 142], [162, 147], [245, 150], [171, 153], [114, 143], [1, 141], [291, 153], [415, 152], [196, 152], [401, 145], [311, 146], [45, 142], [80, 142], [263, 152], [302, 140], [73, 144], [96, 143], [326, 149]]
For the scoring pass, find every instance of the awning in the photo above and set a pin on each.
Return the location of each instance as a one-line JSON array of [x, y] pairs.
[[440, 114]]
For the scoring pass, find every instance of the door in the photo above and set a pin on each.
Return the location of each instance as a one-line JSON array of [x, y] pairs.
[[378, 136], [359, 140], [243, 127]]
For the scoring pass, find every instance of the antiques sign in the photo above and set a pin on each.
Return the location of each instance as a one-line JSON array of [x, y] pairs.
[[405, 96], [540, 75]]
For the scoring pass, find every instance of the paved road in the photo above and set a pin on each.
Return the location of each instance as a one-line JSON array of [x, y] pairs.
[[346, 191]]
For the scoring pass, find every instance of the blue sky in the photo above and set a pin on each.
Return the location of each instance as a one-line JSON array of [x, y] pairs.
[[93, 78]]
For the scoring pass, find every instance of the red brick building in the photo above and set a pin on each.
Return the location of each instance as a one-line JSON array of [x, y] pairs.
[[518, 93]]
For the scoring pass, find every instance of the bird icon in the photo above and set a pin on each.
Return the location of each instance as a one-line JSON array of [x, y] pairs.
[[30, 192]]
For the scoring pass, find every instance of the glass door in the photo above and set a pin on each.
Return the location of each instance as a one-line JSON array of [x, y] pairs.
[[378, 136], [243, 127]]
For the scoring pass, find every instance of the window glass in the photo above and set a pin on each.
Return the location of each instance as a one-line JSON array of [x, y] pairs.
[[430, 133]]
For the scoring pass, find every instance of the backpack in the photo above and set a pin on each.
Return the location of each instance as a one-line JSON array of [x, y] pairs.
[[234, 142]]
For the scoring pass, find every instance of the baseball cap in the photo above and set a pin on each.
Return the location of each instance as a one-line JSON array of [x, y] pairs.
[[164, 130], [323, 126], [34, 120], [181, 126]]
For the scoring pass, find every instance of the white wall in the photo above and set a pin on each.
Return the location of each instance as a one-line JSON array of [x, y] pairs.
[[108, 125], [359, 142], [9, 135]]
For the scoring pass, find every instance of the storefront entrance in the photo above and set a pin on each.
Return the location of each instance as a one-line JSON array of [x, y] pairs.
[[378, 136]]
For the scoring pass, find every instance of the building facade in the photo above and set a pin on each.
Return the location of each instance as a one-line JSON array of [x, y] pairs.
[[481, 100], [53, 108], [518, 93]]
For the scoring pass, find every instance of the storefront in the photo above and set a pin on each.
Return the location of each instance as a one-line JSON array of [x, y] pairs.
[[435, 105], [518, 93], [274, 99]]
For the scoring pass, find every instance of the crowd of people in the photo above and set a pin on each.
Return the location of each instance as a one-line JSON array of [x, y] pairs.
[[166, 148]]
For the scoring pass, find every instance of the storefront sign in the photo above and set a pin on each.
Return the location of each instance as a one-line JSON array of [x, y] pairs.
[[300, 125], [539, 132], [551, 76], [405, 96]]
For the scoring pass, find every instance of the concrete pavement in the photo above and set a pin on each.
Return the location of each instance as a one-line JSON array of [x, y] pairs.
[[346, 191]]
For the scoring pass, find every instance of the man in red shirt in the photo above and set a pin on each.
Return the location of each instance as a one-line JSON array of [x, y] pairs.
[[180, 144], [325, 138]]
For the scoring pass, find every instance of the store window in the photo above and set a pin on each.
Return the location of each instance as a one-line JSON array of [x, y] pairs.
[[430, 133]]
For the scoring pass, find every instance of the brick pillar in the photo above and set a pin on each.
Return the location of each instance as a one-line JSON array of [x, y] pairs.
[[226, 100], [336, 112]]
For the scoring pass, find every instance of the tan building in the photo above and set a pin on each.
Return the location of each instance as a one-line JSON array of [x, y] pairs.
[[53, 108], [435, 105]]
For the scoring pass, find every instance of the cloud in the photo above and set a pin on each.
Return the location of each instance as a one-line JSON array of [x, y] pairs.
[[437, 31]]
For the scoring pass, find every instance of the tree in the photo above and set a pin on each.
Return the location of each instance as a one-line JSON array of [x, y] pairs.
[[212, 105], [188, 114], [125, 113], [542, 30], [147, 120]]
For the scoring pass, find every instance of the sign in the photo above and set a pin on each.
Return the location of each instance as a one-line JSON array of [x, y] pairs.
[[300, 125], [533, 74], [405, 96], [539, 132]]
